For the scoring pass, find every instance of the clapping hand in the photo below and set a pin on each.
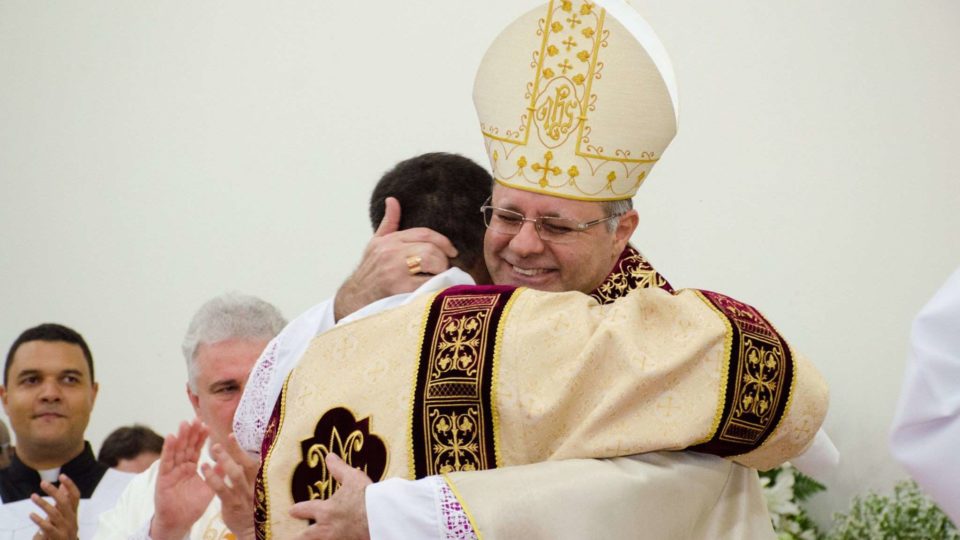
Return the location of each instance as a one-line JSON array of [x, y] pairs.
[[61, 521]]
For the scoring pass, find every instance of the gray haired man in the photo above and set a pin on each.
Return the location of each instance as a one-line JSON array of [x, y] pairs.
[[172, 499]]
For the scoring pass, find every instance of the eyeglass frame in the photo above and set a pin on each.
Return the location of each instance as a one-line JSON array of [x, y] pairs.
[[538, 221]]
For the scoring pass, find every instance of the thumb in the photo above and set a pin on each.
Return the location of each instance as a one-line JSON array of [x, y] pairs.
[[391, 217]]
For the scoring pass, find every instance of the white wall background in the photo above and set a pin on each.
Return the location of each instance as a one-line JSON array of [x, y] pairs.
[[153, 155]]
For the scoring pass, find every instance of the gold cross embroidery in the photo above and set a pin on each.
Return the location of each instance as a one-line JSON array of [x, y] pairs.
[[546, 168], [458, 345], [455, 435], [667, 406]]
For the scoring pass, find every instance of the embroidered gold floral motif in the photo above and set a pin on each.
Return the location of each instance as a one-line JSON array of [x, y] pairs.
[[758, 388], [760, 374], [455, 446], [459, 345], [759, 381], [632, 272], [261, 509], [452, 419]]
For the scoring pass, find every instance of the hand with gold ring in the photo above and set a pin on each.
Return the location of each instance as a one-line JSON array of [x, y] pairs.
[[394, 262], [413, 264]]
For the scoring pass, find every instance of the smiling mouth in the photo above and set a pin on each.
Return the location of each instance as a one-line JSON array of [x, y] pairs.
[[530, 272]]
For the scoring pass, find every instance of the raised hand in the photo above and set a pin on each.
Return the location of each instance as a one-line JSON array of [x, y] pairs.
[[232, 478], [394, 262], [343, 516], [61, 521], [182, 495]]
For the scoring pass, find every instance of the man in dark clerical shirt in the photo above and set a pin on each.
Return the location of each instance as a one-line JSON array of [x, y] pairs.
[[6, 446], [54, 482]]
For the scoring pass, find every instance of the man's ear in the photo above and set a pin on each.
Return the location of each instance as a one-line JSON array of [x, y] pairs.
[[194, 400], [96, 390], [3, 396], [626, 225]]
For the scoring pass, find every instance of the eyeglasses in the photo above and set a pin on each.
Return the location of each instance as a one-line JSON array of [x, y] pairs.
[[556, 230]]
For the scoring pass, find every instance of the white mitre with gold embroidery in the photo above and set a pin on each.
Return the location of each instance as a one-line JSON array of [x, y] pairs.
[[576, 99]]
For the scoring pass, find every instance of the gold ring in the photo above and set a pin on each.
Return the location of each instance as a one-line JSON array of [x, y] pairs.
[[414, 261]]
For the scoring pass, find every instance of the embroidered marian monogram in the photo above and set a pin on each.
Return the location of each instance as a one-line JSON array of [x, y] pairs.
[[453, 421], [337, 432], [758, 382]]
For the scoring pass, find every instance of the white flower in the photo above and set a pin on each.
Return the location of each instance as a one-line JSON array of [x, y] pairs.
[[779, 496]]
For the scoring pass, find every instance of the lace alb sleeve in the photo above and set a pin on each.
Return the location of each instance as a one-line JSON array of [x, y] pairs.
[[271, 369], [398, 509]]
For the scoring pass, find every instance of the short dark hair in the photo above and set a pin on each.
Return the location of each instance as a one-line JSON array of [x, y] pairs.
[[49, 332], [128, 442], [443, 192]]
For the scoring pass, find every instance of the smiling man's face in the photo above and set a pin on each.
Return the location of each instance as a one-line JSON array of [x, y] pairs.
[[48, 397], [523, 260]]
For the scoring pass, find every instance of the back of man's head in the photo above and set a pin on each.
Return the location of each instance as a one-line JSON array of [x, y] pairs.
[[229, 316], [128, 442], [443, 192], [48, 332]]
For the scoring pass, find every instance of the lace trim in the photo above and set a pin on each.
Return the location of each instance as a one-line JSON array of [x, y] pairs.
[[454, 521], [253, 411]]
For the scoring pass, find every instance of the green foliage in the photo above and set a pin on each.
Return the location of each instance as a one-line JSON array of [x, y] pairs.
[[908, 515], [805, 487]]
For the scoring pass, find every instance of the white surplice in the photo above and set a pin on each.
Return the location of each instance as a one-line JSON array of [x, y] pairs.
[[130, 518], [15, 523]]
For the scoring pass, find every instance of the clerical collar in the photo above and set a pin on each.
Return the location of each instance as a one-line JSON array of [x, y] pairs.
[[50, 475], [18, 481]]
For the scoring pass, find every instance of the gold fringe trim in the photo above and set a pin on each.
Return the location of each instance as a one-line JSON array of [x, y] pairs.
[[411, 466], [724, 367], [495, 378], [463, 505]]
